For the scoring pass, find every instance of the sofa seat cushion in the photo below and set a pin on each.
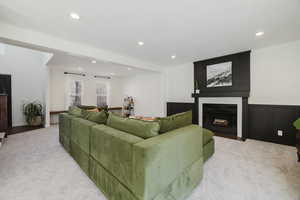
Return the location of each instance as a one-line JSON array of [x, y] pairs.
[[143, 129], [208, 150], [175, 121], [207, 136], [113, 150], [81, 130]]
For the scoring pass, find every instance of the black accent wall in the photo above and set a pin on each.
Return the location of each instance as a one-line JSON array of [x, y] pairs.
[[240, 76], [266, 120], [263, 121], [260, 122]]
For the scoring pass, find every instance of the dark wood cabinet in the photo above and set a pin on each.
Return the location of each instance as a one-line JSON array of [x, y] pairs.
[[5, 90], [3, 113]]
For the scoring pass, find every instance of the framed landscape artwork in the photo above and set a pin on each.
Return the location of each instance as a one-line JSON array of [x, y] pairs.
[[219, 75]]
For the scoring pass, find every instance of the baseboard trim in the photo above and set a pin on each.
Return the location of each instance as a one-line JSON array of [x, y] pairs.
[[22, 129]]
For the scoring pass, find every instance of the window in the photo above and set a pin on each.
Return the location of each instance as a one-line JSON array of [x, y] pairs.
[[101, 92], [75, 94]]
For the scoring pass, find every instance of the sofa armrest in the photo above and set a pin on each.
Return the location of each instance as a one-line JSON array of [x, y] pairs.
[[159, 160]]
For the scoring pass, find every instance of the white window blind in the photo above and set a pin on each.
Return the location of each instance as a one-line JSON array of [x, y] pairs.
[[75, 94], [101, 92]]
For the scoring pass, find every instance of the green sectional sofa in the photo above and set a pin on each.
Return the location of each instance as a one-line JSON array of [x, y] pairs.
[[131, 160]]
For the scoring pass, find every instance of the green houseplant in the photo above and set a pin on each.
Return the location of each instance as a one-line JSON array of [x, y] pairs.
[[33, 112]]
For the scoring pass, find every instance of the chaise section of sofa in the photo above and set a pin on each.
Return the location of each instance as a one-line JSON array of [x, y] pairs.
[[127, 166], [168, 166]]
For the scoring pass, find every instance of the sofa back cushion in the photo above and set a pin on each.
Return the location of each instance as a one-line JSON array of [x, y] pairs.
[[85, 107], [175, 121], [97, 117], [297, 124], [75, 111], [143, 129]]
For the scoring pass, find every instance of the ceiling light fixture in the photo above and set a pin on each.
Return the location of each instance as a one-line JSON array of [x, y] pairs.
[[74, 16], [79, 68], [94, 61], [112, 74], [140, 43], [260, 33], [129, 68], [173, 56]]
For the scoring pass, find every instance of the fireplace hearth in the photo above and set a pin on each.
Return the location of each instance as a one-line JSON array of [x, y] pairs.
[[221, 119]]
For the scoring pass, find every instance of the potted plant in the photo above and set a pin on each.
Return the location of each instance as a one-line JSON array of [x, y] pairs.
[[33, 112]]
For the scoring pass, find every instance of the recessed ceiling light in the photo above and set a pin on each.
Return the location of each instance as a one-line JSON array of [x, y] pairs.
[[129, 68], [112, 74], [260, 33], [173, 56], [74, 16], [140, 43], [94, 61]]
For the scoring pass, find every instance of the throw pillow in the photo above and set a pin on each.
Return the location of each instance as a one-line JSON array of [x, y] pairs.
[[98, 117], [175, 121], [143, 129], [74, 110], [85, 107]]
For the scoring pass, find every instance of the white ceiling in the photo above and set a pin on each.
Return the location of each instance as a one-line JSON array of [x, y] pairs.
[[77, 64], [191, 29]]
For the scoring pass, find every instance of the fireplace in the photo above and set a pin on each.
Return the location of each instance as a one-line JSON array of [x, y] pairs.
[[221, 119]]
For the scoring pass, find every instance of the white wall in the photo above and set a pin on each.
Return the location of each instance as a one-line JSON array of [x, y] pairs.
[[147, 90], [148, 93], [180, 83], [274, 77], [58, 86], [29, 75]]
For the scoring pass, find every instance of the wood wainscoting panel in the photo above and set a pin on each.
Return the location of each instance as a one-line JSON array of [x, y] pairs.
[[266, 120]]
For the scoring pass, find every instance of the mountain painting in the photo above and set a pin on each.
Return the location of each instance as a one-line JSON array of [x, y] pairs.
[[219, 75]]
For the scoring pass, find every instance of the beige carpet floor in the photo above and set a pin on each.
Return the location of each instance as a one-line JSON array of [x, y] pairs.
[[33, 166]]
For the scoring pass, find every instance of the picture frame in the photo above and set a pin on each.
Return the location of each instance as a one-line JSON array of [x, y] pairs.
[[219, 75]]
